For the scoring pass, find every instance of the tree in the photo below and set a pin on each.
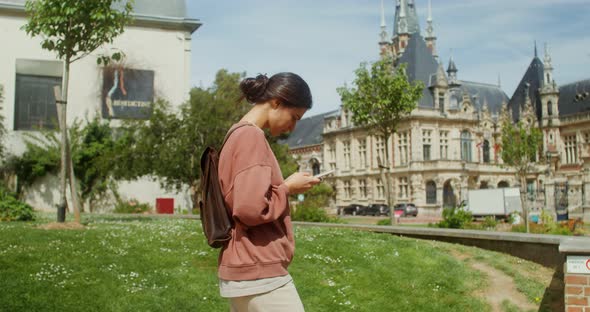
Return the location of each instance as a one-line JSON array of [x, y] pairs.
[[73, 29], [520, 145], [382, 98], [92, 151], [287, 162], [169, 145]]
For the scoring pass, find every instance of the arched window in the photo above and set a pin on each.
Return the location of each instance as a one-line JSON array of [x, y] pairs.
[[486, 151], [430, 192], [315, 166], [465, 146], [316, 169], [503, 184], [549, 108]]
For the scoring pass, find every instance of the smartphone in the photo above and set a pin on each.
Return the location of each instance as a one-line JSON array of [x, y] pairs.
[[323, 174]]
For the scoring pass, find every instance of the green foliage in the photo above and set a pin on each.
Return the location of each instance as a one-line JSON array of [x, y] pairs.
[[380, 99], [489, 222], [73, 28], [384, 222], [287, 162], [552, 228], [382, 96], [11, 209], [41, 157], [132, 206], [312, 208], [169, 145], [455, 218], [92, 155], [520, 144]]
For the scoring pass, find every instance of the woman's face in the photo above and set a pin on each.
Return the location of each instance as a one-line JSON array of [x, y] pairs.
[[282, 118]]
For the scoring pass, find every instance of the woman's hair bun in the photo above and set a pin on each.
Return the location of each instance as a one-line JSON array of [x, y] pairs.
[[253, 88]]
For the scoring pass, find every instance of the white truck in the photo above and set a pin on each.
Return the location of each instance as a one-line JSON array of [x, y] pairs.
[[499, 202]]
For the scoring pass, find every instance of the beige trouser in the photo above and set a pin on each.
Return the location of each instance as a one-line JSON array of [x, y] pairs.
[[284, 298]]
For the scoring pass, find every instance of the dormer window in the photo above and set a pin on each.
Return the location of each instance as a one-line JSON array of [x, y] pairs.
[[441, 101]]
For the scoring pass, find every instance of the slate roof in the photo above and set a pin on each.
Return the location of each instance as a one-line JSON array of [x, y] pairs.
[[308, 131], [420, 65], [534, 77], [574, 98], [486, 93]]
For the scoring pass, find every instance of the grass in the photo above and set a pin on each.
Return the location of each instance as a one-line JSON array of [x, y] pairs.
[[140, 264], [530, 279]]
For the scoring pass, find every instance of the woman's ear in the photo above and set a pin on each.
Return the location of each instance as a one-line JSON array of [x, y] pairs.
[[274, 103]]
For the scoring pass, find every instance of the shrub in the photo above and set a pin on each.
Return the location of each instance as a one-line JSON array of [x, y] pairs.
[[549, 228], [310, 213], [132, 206], [11, 209], [489, 223], [384, 222], [312, 208], [455, 218]]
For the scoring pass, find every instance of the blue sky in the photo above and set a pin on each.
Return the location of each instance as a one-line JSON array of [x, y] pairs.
[[324, 41]]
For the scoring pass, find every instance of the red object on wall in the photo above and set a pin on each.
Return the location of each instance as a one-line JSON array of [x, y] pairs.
[[165, 205]]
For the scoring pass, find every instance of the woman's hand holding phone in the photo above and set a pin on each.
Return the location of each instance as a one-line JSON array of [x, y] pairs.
[[300, 182]]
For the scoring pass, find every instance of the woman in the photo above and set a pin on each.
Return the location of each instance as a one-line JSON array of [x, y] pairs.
[[253, 264]]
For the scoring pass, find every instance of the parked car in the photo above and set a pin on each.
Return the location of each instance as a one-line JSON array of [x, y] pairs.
[[377, 210], [407, 209], [354, 209]]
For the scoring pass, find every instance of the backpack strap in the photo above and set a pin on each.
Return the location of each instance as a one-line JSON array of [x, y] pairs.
[[231, 131]]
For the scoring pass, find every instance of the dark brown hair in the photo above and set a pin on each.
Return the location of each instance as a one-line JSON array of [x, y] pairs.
[[288, 88]]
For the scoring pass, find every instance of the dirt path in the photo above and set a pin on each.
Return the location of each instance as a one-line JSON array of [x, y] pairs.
[[501, 287]]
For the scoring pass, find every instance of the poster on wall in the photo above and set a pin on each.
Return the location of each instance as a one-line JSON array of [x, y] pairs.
[[127, 93]]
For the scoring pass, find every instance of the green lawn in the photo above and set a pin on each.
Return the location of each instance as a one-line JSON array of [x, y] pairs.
[[136, 264]]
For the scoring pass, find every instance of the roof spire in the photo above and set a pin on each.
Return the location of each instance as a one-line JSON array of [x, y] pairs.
[[403, 23], [452, 68], [535, 48], [452, 71], [429, 27], [402, 8], [547, 56], [499, 81], [383, 33], [382, 15]]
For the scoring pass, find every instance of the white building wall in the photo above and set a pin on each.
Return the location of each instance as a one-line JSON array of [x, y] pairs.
[[166, 52]]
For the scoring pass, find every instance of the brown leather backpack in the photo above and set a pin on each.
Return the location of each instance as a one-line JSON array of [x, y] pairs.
[[215, 218]]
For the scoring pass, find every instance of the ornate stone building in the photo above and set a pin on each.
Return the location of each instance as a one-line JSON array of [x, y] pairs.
[[451, 142]]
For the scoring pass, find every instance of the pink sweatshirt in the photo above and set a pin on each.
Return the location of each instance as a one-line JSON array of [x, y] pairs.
[[262, 243]]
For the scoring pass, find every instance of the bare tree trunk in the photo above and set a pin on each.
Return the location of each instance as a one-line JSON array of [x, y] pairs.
[[73, 188], [523, 200], [61, 100], [61, 116], [388, 191], [194, 198]]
